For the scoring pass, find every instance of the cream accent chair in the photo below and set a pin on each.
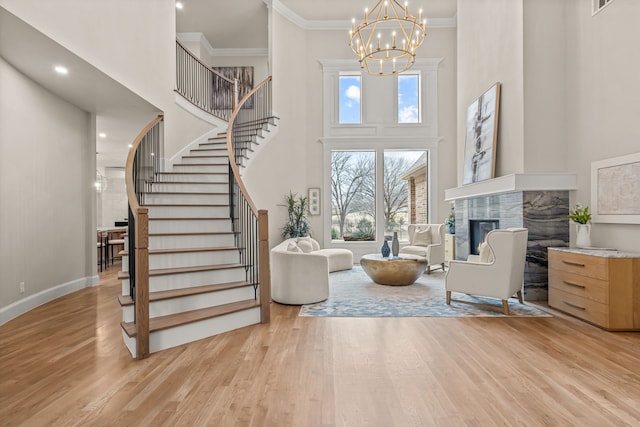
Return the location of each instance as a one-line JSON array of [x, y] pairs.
[[501, 278], [434, 252]]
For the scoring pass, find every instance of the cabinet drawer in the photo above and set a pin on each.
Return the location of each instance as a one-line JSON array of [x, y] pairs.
[[583, 265], [583, 286], [578, 306]]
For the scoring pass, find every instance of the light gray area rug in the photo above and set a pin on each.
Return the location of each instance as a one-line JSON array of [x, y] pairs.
[[353, 294]]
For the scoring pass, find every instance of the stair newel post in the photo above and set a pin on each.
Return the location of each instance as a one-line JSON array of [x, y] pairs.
[[142, 282], [263, 265]]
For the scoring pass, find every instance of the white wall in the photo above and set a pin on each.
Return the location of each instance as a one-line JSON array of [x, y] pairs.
[[282, 164], [47, 171], [132, 42], [602, 100], [545, 80], [490, 49], [114, 199]]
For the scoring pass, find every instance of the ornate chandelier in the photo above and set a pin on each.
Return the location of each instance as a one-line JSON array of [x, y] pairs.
[[386, 40]]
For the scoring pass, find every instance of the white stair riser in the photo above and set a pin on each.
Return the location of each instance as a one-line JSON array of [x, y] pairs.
[[200, 278], [209, 151], [188, 259], [167, 338], [221, 160], [186, 280], [206, 168], [193, 211], [192, 302], [220, 178], [213, 187], [130, 343], [185, 199], [190, 332], [186, 241], [189, 226]]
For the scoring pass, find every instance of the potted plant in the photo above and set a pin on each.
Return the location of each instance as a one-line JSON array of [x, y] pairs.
[[451, 222], [297, 224], [582, 217]]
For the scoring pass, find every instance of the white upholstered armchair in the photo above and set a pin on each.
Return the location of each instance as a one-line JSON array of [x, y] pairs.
[[502, 274], [426, 240]]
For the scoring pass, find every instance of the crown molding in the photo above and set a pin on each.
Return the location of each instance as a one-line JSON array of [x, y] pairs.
[[200, 38], [340, 25]]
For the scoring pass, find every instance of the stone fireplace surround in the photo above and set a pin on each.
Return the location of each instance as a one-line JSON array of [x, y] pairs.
[[538, 202]]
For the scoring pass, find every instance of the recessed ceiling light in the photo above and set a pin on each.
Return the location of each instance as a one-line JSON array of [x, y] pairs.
[[130, 145], [179, 5], [61, 70], [102, 135]]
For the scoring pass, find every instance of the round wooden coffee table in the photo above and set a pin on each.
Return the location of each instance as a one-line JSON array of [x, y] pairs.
[[399, 271]]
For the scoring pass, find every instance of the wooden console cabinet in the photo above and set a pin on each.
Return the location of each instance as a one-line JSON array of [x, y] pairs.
[[598, 286]]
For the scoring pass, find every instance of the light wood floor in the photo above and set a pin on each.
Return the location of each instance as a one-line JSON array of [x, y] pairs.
[[64, 364]]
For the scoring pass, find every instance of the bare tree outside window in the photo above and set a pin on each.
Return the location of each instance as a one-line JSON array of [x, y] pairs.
[[349, 173]]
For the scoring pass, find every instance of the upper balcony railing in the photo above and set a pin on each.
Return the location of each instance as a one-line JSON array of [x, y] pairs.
[[202, 86]]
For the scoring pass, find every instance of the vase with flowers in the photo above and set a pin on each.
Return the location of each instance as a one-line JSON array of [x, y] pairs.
[[582, 217]]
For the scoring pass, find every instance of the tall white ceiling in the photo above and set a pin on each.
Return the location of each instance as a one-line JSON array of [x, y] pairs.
[[243, 23]]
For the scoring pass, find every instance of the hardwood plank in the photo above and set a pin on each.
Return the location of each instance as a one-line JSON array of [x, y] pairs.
[[64, 364]]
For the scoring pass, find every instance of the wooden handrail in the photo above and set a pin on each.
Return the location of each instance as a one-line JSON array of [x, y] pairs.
[[232, 160], [140, 217], [128, 172], [260, 216]]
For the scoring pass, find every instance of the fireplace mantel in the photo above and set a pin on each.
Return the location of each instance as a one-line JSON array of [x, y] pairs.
[[514, 182]]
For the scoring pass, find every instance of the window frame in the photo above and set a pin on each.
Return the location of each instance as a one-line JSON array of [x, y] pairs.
[[339, 95], [397, 98]]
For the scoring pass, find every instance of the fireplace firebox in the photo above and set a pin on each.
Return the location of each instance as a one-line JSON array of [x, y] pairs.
[[478, 232]]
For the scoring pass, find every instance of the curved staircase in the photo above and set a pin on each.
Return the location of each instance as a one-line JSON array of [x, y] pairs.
[[197, 285]]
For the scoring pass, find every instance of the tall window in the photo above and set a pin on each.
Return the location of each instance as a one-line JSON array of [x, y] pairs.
[[404, 191], [409, 98], [353, 189], [349, 99]]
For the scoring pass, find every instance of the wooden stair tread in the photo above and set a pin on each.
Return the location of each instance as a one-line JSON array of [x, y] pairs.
[[188, 182], [201, 193], [193, 173], [173, 320], [199, 164], [185, 250], [195, 233], [218, 205], [122, 275], [126, 300], [191, 219], [205, 157]]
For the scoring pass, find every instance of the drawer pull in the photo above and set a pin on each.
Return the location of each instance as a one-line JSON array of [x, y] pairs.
[[574, 305], [574, 284], [577, 264]]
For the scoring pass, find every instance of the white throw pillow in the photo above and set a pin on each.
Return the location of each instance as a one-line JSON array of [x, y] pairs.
[[422, 237], [305, 246], [485, 252], [292, 247], [314, 244]]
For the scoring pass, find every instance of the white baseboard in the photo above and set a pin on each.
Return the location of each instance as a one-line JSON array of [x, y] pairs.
[[29, 303]]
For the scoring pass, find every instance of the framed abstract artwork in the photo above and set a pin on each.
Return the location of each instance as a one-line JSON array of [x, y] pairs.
[[615, 190], [482, 134], [244, 75]]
